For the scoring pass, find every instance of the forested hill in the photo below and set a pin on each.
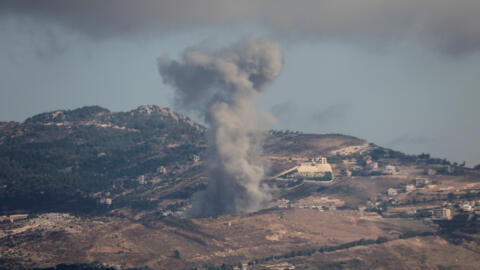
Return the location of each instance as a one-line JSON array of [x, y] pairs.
[[54, 161]]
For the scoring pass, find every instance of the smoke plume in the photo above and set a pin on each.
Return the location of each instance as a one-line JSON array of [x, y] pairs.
[[221, 85]]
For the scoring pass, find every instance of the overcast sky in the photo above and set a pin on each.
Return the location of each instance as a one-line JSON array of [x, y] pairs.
[[402, 74]]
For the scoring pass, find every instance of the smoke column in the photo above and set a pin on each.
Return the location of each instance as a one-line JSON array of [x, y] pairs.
[[222, 85]]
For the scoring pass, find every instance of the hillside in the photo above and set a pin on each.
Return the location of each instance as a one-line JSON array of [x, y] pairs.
[[89, 185], [91, 160], [55, 161]]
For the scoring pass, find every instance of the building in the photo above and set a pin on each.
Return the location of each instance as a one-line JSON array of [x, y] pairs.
[[283, 203], [392, 192], [412, 212], [373, 165], [13, 218], [106, 201], [391, 169], [316, 167], [162, 170], [467, 207], [421, 182], [141, 179], [442, 213], [410, 188], [196, 158]]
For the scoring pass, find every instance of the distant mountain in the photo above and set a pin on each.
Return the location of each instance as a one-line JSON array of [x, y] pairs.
[[54, 161]]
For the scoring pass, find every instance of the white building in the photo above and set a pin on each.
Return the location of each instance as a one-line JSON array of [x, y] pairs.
[[392, 192], [391, 169], [467, 207], [373, 165], [106, 201], [13, 218], [316, 167], [410, 188], [162, 170]]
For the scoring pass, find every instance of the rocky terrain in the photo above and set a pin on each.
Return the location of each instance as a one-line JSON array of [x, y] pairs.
[[96, 189]]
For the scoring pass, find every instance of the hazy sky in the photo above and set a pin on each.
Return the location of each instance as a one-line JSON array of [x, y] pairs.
[[401, 74]]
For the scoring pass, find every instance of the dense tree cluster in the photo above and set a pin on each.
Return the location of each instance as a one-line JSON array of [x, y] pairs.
[[56, 167]]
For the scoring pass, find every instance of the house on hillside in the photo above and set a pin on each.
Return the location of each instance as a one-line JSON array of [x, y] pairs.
[[283, 203], [315, 168], [410, 188], [162, 170], [467, 207], [106, 201], [141, 179], [13, 218], [392, 192], [442, 213], [420, 182], [390, 169]]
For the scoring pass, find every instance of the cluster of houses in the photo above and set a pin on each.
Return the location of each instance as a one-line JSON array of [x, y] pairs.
[[370, 167], [447, 211], [318, 203], [103, 198], [416, 183], [142, 179], [448, 169], [444, 211], [176, 213]]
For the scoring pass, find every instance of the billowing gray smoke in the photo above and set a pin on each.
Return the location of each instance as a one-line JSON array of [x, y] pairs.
[[222, 86]]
